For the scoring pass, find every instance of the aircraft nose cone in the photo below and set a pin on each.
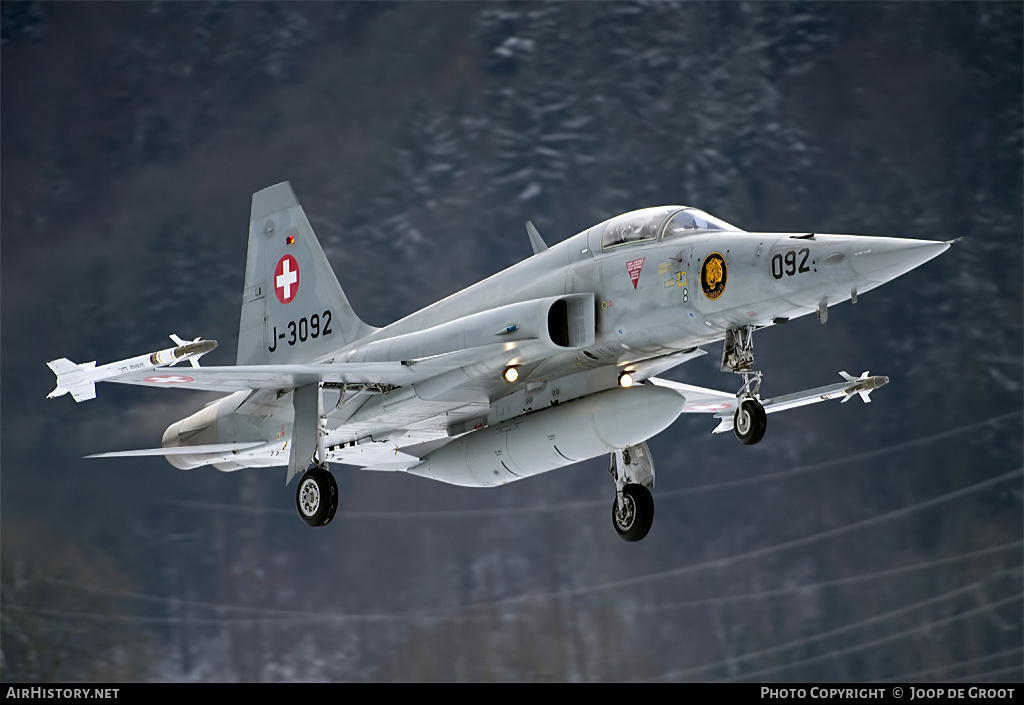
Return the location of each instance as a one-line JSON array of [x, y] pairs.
[[885, 258]]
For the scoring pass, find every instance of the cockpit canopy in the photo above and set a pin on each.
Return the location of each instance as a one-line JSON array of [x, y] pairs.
[[652, 223]]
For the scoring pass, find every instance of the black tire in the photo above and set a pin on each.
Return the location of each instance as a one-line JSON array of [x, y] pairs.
[[633, 512], [333, 506], [750, 422], [316, 497]]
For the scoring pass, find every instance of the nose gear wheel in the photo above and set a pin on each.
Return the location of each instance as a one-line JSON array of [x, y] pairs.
[[750, 422]]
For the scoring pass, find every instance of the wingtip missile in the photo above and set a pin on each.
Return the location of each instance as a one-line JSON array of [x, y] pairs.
[[863, 386], [191, 355], [80, 379]]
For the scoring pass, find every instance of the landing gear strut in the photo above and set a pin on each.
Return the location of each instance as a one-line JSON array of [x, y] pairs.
[[632, 468], [317, 496], [750, 420]]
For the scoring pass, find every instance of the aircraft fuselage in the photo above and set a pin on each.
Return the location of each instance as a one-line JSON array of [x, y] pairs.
[[652, 299]]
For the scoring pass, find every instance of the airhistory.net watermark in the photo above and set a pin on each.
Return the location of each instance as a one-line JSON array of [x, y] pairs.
[[37, 691]]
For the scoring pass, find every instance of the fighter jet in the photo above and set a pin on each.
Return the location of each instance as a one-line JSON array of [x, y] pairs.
[[545, 364]]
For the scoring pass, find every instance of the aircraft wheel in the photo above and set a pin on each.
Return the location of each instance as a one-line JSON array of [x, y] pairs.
[[633, 512], [750, 422], [333, 507], [317, 496]]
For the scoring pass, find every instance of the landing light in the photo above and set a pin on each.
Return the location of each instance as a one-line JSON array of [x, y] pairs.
[[625, 380], [510, 375]]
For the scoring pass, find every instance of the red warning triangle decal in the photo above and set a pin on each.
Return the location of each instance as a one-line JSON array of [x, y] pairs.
[[633, 267]]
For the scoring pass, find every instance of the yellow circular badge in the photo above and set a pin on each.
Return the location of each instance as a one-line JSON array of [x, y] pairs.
[[713, 274]]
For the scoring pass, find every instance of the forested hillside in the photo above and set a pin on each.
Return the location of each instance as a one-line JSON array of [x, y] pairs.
[[855, 543]]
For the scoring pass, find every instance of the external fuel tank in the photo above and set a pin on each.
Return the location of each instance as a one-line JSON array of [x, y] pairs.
[[554, 437]]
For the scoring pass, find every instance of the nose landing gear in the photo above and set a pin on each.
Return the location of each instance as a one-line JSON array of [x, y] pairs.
[[750, 420]]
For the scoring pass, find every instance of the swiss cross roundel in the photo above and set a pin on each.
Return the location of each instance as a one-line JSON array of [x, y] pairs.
[[286, 279], [168, 379]]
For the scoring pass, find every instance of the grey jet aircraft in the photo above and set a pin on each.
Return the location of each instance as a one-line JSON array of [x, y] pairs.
[[547, 363]]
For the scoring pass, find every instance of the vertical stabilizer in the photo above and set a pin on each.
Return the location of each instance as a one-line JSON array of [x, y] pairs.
[[293, 308]]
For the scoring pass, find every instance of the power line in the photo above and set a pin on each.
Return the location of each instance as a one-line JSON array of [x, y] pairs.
[[767, 550], [866, 455], [711, 563], [975, 676], [875, 642], [279, 615], [588, 504], [916, 675], [726, 599], [830, 633], [291, 618], [736, 558]]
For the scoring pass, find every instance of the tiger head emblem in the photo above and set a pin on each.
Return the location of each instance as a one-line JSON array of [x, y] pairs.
[[713, 274]]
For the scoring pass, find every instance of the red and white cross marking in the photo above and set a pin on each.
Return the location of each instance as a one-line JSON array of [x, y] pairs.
[[712, 406], [286, 279], [168, 379]]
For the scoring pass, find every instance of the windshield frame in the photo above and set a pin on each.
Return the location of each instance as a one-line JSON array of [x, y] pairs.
[[698, 217]]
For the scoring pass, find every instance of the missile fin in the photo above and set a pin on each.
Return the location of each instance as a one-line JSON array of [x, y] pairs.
[[73, 378], [84, 391]]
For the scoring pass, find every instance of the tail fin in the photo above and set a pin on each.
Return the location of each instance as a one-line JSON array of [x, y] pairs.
[[293, 308], [72, 378]]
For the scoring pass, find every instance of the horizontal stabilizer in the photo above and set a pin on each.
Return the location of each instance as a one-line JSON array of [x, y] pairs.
[[180, 450]]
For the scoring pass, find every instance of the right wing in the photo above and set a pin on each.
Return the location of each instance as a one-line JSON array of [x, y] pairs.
[[234, 379]]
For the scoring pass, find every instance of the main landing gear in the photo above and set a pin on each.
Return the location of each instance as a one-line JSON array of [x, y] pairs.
[[632, 468], [317, 496], [750, 420]]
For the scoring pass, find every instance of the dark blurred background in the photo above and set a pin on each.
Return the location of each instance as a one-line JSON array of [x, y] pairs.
[[856, 543]]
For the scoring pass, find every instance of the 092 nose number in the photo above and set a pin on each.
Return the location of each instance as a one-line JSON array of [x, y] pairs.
[[788, 265], [304, 329]]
